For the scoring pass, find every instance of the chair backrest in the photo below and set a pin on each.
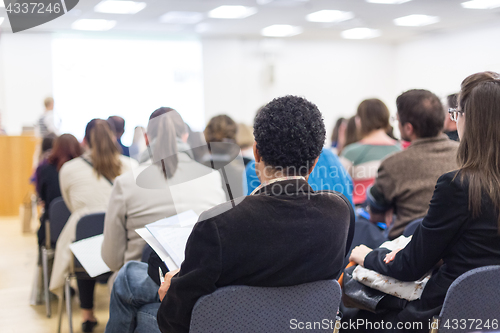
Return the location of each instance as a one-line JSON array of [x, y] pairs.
[[245, 309], [474, 296], [412, 226], [90, 225], [59, 215]]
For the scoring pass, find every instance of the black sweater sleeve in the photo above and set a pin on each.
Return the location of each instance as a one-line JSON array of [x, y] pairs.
[[448, 211], [198, 276]]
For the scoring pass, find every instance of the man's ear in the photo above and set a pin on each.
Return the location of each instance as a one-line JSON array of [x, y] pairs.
[[256, 153], [408, 128]]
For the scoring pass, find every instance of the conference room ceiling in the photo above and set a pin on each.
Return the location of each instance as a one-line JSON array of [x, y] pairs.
[[452, 17]]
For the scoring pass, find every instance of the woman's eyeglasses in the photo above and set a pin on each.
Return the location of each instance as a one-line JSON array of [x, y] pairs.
[[454, 113]]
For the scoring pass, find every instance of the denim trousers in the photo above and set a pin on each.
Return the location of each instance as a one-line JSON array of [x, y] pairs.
[[134, 301]]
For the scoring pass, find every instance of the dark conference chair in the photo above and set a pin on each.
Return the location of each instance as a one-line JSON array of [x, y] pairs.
[[88, 226], [59, 215], [472, 303], [245, 309]]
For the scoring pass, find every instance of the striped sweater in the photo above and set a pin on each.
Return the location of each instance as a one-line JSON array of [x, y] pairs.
[[362, 160]]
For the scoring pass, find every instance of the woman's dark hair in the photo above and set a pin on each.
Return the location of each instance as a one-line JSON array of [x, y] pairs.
[[452, 101], [66, 148], [373, 115], [104, 150], [335, 133], [479, 152], [220, 128], [48, 142], [351, 132], [290, 134], [423, 110]]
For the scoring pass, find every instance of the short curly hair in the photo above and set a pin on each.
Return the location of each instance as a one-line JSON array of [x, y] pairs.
[[290, 134]]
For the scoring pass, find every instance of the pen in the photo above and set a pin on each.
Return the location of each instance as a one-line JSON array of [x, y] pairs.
[[162, 277]]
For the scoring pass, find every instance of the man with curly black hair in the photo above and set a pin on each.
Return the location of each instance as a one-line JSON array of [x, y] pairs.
[[289, 134], [284, 234]]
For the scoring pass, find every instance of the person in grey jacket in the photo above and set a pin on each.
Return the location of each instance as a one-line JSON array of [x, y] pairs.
[[145, 194]]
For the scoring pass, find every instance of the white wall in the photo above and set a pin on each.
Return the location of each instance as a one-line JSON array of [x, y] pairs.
[[25, 78], [442, 62], [336, 76]]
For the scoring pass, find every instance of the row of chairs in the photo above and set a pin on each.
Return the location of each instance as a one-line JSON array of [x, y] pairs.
[[88, 226], [475, 294]]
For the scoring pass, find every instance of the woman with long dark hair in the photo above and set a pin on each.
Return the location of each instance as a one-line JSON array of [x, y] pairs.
[[66, 147], [86, 184], [462, 225]]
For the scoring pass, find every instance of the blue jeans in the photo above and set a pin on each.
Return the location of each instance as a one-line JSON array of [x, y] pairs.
[[134, 301]]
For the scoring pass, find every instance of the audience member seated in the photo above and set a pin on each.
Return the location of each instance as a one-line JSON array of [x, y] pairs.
[[338, 135], [461, 227], [117, 125], [450, 127], [244, 139], [405, 180], [362, 159], [86, 184], [249, 244], [138, 143], [329, 174], [66, 148], [220, 135], [351, 134], [41, 155], [132, 206]]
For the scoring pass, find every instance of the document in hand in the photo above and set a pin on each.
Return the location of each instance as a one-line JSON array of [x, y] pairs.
[[168, 237], [88, 253]]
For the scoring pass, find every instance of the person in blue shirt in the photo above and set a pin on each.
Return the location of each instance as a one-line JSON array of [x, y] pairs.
[[329, 174]]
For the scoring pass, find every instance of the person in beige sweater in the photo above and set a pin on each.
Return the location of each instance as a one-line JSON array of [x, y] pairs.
[[135, 203], [86, 184], [406, 180]]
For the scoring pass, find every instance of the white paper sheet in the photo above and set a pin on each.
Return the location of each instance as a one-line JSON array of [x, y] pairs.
[[173, 239], [168, 237], [88, 253], [157, 247]]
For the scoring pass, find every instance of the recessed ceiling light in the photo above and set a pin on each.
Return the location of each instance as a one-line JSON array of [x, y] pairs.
[[481, 4], [416, 20], [93, 24], [232, 12], [388, 2], [182, 17], [360, 33], [329, 16], [119, 7], [281, 30]]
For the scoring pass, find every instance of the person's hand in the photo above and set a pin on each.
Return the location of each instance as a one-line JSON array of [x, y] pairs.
[[166, 285], [359, 253], [390, 256]]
